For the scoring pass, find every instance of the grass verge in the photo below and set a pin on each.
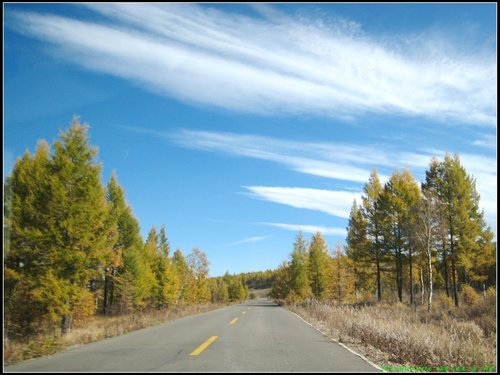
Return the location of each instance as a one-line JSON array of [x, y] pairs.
[[392, 335], [94, 329]]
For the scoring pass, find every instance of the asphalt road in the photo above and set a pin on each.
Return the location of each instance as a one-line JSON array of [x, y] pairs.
[[256, 336]]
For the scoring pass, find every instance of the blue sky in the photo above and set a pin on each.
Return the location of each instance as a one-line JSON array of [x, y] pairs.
[[236, 125]]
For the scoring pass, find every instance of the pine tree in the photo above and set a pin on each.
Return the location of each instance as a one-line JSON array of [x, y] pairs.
[[164, 245], [401, 195], [27, 193], [468, 239], [299, 269], [343, 276], [236, 288], [281, 283], [168, 279], [186, 286], [150, 271], [62, 238], [123, 274], [219, 289], [358, 251], [375, 220], [318, 266]]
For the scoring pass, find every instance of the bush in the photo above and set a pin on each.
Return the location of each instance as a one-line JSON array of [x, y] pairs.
[[469, 295], [412, 335]]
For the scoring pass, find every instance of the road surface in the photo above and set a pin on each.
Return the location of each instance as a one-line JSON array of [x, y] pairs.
[[256, 336]]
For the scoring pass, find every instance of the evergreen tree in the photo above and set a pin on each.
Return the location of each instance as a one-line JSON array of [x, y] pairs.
[[27, 190], [119, 281], [299, 269], [186, 286], [281, 283], [168, 279], [358, 251], [164, 245], [468, 239], [62, 239], [235, 287], [375, 220], [342, 276], [318, 266], [401, 196], [219, 290], [151, 291]]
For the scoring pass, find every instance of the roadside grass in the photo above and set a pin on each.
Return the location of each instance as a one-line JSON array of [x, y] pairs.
[[447, 337], [94, 329]]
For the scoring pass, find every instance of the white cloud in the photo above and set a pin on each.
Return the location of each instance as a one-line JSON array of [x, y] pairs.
[[346, 162], [484, 171], [336, 203], [339, 161], [487, 141], [326, 231], [247, 240], [275, 65]]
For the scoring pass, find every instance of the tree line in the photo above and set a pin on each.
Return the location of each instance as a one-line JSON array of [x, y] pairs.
[[73, 247], [401, 238]]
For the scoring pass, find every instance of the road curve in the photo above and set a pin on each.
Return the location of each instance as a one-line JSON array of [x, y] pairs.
[[257, 336]]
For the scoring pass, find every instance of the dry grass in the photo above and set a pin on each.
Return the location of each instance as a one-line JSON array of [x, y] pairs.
[[95, 329], [396, 334]]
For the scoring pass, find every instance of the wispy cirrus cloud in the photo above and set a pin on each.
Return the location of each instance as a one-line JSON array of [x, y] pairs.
[[246, 241], [339, 161], [487, 141], [326, 231], [335, 203], [275, 65], [342, 161]]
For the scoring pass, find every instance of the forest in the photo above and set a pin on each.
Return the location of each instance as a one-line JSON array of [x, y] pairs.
[[402, 239], [415, 285], [73, 251], [73, 247]]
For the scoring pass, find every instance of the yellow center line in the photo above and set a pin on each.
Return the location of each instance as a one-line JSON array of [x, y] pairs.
[[233, 321], [203, 346]]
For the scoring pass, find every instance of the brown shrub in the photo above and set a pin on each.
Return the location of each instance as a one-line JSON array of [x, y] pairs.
[[408, 335], [469, 295], [93, 329]]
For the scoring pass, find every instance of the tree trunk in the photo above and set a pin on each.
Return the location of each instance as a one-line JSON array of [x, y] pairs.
[[429, 297], [453, 268], [454, 279], [411, 275], [399, 273], [65, 324], [446, 281], [422, 286], [104, 303], [379, 291]]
